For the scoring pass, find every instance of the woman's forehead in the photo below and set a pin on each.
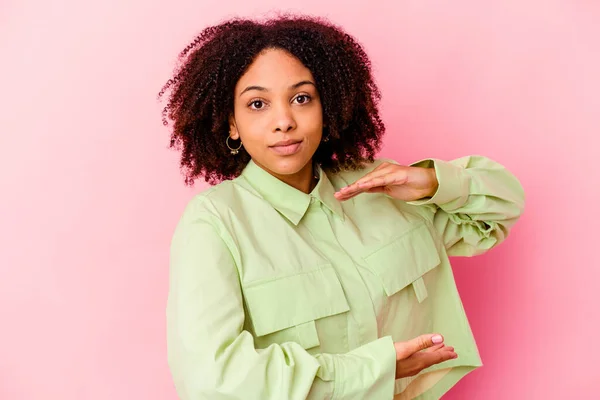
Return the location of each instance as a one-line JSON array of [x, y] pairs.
[[274, 70]]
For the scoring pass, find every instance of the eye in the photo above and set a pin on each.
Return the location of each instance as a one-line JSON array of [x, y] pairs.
[[302, 99], [256, 104]]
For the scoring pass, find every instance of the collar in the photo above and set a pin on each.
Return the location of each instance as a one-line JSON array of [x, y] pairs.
[[291, 202]]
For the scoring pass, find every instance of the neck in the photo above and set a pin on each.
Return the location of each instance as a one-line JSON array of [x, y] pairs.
[[303, 180]]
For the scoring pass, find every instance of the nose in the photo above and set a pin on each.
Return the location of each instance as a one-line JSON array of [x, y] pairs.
[[284, 119]]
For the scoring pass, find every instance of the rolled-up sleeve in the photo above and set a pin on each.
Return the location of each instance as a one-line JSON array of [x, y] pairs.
[[476, 203], [212, 357]]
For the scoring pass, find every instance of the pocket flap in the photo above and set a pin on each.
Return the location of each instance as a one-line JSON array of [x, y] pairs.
[[295, 300], [404, 260]]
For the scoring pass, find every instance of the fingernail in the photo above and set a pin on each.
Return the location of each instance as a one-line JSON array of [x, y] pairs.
[[437, 339]]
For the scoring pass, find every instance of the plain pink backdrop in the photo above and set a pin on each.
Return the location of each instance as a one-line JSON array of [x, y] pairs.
[[91, 194]]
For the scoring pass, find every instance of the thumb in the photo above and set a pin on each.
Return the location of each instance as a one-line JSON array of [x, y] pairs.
[[406, 349]]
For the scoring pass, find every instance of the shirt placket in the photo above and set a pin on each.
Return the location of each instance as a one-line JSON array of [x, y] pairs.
[[362, 325]]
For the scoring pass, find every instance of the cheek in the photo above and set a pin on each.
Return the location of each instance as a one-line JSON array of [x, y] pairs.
[[316, 114], [250, 127], [314, 124]]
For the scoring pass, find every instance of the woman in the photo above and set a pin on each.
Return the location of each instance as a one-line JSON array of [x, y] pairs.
[[310, 269]]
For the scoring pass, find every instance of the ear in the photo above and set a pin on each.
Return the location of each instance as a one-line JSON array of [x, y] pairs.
[[233, 132]]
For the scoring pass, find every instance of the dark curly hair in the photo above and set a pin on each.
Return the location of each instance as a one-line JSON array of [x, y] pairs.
[[202, 93]]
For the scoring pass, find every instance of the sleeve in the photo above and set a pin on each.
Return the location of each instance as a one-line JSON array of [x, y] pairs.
[[476, 203], [210, 355]]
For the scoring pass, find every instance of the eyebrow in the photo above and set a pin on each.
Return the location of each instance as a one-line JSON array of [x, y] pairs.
[[263, 89]]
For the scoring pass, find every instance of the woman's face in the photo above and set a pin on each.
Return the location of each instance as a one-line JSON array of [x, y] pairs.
[[278, 115]]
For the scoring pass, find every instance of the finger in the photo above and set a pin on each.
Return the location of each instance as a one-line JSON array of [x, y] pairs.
[[436, 347], [423, 359], [343, 196], [393, 178], [427, 359], [350, 192], [377, 181], [377, 184], [388, 178], [381, 169], [378, 189], [405, 349], [440, 347], [437, 357]]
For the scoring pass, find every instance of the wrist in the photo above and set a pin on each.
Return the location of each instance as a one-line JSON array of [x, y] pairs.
[[434, 183]]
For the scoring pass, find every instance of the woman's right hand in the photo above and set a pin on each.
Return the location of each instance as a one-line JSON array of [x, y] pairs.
[[419, 353]]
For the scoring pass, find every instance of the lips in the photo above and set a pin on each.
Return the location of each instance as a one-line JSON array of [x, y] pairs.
[[286, 147]]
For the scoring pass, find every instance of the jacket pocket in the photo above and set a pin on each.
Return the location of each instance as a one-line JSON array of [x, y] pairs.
[[404, 261], [288, 308]]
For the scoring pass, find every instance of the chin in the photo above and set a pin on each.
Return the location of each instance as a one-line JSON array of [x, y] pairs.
[[289, 165]]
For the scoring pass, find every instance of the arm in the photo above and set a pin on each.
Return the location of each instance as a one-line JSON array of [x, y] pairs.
[[212, 357], [476, 203]]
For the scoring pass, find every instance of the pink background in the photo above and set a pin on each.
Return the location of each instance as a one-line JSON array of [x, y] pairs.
[[90, 192]]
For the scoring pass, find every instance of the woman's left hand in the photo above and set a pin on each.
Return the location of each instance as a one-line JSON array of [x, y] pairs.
[[397, 181]]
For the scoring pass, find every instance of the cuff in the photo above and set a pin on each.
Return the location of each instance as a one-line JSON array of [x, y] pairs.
[[368, 372], [453, 184]]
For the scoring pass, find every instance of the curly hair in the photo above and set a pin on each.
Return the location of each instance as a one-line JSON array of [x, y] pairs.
[[202, 93]]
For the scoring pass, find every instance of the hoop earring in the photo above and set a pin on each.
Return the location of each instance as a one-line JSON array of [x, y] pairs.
[[232, 150]]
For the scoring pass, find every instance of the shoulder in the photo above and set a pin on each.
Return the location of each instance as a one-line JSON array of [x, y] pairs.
[[208, 203], [201, 220]]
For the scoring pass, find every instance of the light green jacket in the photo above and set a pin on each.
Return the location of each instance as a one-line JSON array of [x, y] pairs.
[[276, 294]]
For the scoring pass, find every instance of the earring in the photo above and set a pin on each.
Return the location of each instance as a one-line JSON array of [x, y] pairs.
[[232, 150], [326, 138]]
